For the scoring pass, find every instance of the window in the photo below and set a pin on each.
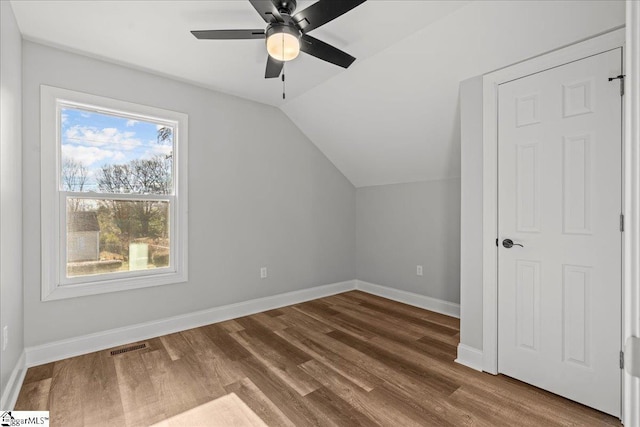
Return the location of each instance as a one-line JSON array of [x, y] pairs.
[[114, 193]]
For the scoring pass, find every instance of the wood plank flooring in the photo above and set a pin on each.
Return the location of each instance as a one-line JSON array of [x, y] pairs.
[[346, 360]]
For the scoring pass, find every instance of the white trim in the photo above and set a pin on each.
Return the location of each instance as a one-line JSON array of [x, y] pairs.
[[631, 323], [58, 350], [410, 298], [12, 389], [470, 357], [54, 284], [608, 41], [63, 349]]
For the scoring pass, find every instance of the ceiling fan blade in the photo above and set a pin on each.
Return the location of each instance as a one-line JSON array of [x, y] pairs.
[[325, 51], [267, 10], [228, 34], [322, 12], [274, 68]]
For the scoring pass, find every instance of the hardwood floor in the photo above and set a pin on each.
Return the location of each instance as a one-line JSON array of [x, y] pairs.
[[346, 360]]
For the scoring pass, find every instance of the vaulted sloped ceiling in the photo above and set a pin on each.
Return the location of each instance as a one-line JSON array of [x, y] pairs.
[[395, 117], [392, 117]]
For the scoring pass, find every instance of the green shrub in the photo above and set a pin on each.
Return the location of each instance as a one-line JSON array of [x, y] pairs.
[[160, 258]]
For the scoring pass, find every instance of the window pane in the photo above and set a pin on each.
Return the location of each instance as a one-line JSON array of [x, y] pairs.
[[105, 236], [113, 154]]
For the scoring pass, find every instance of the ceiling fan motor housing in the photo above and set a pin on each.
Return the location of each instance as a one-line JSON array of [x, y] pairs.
[[287, 6]]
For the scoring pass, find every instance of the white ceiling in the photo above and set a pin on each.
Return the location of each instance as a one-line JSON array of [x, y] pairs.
[[155, 36], [391, 117]]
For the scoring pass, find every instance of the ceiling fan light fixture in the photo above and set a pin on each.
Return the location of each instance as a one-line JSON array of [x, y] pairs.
[[287, 34], [283, 42]]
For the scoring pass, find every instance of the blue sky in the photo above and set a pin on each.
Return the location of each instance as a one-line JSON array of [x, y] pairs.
[[96, 139]]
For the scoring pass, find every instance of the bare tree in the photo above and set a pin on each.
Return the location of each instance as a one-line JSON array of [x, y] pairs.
[[74, 175], [150, 176], [164, 134]]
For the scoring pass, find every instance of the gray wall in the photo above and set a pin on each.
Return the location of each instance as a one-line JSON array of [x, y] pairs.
[[400, 226], [11, 307], [260, 194], [471, 213]]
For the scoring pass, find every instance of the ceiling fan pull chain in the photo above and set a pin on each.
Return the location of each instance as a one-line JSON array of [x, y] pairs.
[[284, 96]]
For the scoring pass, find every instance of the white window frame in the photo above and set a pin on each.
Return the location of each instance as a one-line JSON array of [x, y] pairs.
[[55, 283]]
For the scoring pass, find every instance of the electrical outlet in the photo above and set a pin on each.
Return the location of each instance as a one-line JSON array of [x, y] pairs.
[[5, 337], [263, 272], [419, 270]]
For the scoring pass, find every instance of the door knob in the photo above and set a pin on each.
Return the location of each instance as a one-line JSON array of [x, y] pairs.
[[508, 243]]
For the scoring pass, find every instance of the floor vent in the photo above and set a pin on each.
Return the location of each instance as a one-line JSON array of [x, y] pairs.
[[128, 349]]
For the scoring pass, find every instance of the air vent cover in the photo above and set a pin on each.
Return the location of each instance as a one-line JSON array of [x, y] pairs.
[[128, 349]]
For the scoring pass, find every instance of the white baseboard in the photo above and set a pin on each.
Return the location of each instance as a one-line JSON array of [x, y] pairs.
[[58, 350], [469, 356], [11, 391], [63, 349], [417, 300]]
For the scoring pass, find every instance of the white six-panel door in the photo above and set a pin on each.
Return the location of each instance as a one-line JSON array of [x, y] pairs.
[[559, 195]]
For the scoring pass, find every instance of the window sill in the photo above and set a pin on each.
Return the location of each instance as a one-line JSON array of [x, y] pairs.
[[124, 284]]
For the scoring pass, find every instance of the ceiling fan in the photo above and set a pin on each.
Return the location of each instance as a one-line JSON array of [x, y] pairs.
[[286, 34]]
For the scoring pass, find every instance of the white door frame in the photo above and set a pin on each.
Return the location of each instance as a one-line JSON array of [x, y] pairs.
[[631, 272], [593, 46]]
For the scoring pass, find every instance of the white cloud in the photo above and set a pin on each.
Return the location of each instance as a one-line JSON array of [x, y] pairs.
[[89, 155], [157, 149], [119, 156], [107, 137], [131, 123]]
